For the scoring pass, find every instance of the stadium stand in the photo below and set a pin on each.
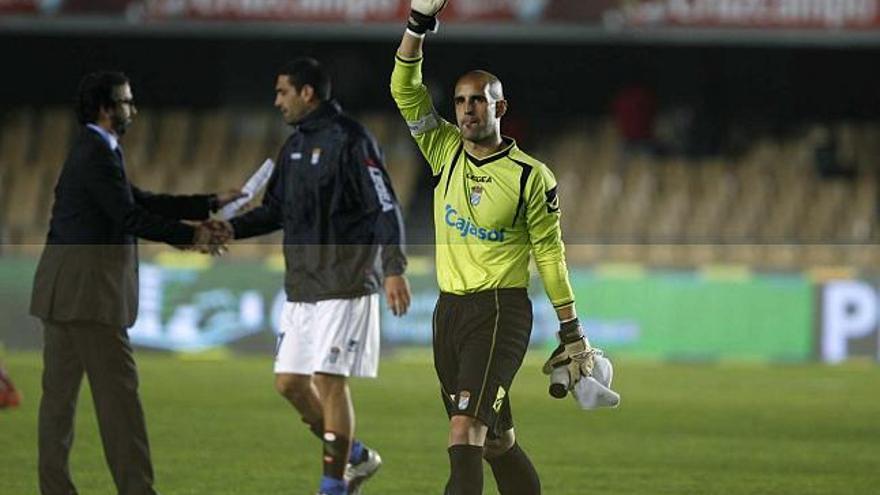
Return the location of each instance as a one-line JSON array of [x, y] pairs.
[[767, 208]]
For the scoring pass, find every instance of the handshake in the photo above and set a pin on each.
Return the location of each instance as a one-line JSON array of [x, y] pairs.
[[212, 236], [576, 367]]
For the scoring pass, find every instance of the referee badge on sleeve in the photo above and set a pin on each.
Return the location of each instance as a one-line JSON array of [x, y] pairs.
[[464, 398]]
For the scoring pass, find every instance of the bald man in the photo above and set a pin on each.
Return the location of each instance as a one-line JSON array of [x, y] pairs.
[[494, 207]]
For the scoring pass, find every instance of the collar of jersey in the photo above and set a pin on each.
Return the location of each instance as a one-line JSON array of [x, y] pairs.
[[315, 120], [510, 142]]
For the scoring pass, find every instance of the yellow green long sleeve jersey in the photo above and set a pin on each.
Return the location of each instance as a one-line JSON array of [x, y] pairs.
[[489, 213]]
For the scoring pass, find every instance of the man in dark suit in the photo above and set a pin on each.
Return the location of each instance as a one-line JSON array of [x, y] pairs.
[[86, 288]]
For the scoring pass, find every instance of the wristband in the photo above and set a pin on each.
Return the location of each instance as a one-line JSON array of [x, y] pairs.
[[420, 23], [570, 331]]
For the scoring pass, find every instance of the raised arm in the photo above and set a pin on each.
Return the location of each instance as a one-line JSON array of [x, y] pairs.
[[437, 139], [411, 45]]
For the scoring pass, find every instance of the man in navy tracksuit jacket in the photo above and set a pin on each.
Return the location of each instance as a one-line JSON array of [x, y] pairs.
[[343, 240]]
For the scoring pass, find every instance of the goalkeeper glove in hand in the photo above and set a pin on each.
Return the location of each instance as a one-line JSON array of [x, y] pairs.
[[573, 353], [423, 16]]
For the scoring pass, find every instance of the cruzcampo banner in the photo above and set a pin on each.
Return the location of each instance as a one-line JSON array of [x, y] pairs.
[[190, 302]]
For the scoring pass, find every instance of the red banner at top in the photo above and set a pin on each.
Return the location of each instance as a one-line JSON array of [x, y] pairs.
[[339, 10], [834, 14], [18, 6], [613, 14]]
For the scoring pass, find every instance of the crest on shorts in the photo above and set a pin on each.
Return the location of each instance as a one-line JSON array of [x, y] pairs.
[[499, 399], [476, 194], [464, 398]]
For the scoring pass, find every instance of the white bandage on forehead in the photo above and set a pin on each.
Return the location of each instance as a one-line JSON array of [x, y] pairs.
[[427, 123]]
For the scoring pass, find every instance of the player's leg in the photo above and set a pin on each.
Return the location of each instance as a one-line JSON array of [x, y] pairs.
[[338, 430], [300, 342], [466, 437], [480, 341], [513, 470], [464, 329], [299, 390], [348, 335], [62, 376], [295, 361]]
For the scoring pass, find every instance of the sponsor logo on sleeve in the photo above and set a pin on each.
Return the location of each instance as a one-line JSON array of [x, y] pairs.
[[381, 190], [552, 201]]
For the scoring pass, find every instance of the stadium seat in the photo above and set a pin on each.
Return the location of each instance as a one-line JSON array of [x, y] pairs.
[[767, 208], [173, 139], [17, 137], [137, 144]]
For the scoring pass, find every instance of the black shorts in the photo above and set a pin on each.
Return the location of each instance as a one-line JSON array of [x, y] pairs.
[[480, 340]]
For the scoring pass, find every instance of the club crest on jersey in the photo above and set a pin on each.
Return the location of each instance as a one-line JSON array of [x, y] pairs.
[[316, 156], [476, 194]]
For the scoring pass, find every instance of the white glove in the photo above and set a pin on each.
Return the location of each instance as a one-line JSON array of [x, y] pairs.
[[428, 7], [423, 16]]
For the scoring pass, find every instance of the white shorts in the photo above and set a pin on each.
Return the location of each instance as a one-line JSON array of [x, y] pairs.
[[335, 336]]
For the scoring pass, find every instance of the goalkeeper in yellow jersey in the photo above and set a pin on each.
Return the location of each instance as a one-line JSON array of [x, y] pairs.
[[494, 206]]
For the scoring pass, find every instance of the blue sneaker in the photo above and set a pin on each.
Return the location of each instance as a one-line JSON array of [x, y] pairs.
[[357, 474], [332, 486]]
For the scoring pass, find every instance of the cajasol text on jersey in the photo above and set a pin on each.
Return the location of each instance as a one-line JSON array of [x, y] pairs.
[[466, 227]]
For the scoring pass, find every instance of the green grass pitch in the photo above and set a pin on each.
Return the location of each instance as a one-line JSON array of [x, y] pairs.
[[218, 427]]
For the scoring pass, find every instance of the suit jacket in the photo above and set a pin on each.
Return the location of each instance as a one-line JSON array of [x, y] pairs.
[[89, 268]]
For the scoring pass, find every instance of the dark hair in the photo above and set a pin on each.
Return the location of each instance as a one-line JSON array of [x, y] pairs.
[[96, 92], [306, 70]]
